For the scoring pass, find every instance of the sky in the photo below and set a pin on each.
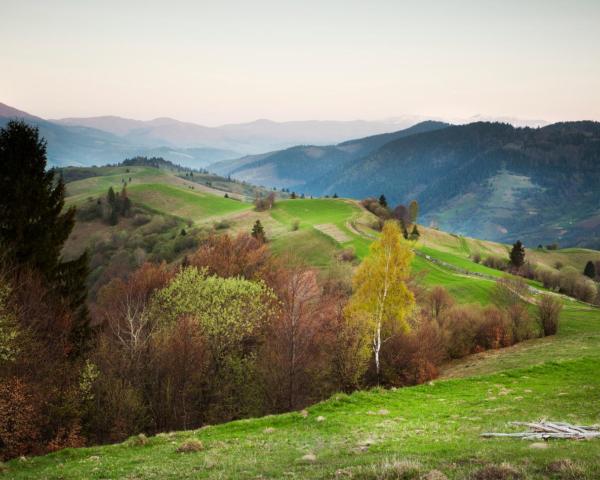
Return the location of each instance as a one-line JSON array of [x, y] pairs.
[[222, 61]]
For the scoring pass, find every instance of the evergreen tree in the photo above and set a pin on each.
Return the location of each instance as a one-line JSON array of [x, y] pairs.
[[293, 195], [335, 195], [111, 197], [517, 255], [404, 229], [383, 201], [113, 219], [258, 231], [34, 224], [590, 270], [125, 202]]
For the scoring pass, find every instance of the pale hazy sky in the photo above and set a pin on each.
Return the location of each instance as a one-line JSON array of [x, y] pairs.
[[232, 61]]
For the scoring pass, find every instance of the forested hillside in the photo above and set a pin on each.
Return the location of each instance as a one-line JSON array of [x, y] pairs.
[[297, 168], [488, 180]]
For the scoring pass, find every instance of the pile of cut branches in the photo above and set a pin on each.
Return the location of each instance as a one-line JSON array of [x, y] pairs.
[[545, 430]]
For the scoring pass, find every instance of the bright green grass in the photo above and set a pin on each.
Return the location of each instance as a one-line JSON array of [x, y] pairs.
[[314, 211], [463, 288], [314, 247], [111, 177], [183, 203], [461, 262], [436, 425], [311, 212]]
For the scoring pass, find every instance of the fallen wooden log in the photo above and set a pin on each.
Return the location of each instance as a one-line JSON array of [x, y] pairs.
[[547, 430]]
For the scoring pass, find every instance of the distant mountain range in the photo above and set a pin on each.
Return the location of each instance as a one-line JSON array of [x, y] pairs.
[[84, 145], [483, 179], [488, 180], [253, 137], [109, 139]]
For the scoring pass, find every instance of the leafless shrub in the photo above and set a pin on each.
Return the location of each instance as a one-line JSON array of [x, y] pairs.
[[549, 309]]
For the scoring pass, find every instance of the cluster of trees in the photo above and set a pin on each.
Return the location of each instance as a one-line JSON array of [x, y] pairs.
[[157, 162], [406, 216], [117, 205], [566, 280], [110, 209], [262, 203], [45, 328]]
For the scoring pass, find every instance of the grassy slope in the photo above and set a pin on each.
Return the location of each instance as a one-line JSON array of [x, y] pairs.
[[437, 425], [187, 204]]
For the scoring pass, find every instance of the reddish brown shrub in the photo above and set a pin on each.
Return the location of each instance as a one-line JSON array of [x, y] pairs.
[[460, 326], [20, 419], [227, 256], [410, 359], [438, 302], [495, 330]]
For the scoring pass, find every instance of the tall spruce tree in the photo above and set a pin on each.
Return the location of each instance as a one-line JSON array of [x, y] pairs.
[[383, 201], [34, 224], [517, 255]]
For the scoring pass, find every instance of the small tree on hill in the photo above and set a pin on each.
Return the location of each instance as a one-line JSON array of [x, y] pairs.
[[590, 270], [517, 255], [383, 201], [111, 197], [125, 202], [293, 195], [381, 297], [258, 231]]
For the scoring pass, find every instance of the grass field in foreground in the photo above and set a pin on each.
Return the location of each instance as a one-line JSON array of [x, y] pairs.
[[436, 425]]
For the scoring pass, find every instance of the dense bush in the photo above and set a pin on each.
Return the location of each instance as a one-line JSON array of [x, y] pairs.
[[549, 308], [375, 207], [460, 326], [494, 261]]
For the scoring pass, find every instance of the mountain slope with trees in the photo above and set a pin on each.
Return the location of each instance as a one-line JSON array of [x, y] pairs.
[[491, 180], [297, 167]]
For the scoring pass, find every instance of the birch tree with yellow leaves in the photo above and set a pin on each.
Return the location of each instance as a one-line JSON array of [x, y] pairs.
[[380, 296]]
